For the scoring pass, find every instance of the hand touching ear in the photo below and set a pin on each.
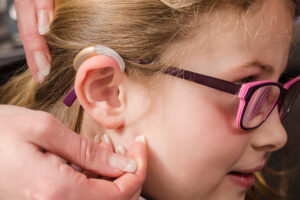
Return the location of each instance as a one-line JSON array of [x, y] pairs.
[[34, 18], [33, 147]]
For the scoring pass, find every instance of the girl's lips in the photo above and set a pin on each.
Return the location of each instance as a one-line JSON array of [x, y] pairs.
[[245, 180], [256, 169]]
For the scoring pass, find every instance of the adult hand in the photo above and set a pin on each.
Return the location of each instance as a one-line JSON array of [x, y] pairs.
[[34, 17], [32, 144]]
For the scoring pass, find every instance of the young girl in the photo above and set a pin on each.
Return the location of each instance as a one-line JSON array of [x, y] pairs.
[[198, 80]]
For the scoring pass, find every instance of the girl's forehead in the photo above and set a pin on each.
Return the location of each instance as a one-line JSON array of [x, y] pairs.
[[267, 25], [272, 21]]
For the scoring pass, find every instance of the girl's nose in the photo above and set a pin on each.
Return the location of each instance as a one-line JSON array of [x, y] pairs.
[[271, 135]]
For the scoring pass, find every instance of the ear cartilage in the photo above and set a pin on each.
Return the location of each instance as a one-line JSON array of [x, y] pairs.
[[86, 53]]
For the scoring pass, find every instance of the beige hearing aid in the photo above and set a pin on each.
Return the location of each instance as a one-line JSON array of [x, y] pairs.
[[97, 50]]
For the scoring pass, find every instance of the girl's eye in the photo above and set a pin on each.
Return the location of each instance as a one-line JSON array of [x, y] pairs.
[[248, 79]]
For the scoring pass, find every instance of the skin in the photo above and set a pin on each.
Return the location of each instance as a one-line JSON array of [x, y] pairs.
[[33, 167], [161, 152], [51, 177], [28, 26], [193, 140]]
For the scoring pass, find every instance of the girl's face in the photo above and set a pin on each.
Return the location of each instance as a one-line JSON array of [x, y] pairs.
[[193, 140]]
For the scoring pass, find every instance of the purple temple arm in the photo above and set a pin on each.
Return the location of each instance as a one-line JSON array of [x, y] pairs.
[[219, 84]]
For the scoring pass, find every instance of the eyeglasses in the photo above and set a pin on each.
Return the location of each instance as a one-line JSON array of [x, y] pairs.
[[257, 99]]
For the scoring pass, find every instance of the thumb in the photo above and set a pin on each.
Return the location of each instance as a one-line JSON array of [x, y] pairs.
[[130, 183], [127, 186]]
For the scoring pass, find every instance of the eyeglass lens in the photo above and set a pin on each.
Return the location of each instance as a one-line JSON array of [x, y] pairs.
[[289, 100], [260, 105]]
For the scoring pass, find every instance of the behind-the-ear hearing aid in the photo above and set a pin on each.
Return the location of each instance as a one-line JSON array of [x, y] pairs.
[[89, 52]]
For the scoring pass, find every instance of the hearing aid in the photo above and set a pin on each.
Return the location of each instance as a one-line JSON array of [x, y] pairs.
[[87, 53], [98, 49]]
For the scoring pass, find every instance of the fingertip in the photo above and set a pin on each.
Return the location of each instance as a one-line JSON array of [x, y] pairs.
[[51, 15], [129, 183], [139, 153], [97, 139], [141, 139], [34, 73], [105, 138], [121, 150]]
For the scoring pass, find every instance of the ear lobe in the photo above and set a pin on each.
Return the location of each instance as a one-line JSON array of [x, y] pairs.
[[97, 88]]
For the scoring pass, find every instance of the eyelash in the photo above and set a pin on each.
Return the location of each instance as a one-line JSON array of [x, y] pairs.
[[248, 79]]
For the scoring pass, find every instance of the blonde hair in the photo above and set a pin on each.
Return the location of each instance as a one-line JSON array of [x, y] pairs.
[[137, 30]]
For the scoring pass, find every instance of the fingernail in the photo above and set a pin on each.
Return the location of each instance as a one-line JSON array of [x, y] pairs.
[[105, 139], [121, 150], [42, 64], [141, 139], [123, 163], [43, 22], [97, 139]]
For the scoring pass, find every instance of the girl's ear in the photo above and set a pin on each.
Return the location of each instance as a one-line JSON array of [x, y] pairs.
[[97, 86]]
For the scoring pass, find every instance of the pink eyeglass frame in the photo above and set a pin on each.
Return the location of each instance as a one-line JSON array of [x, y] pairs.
[[242, 91]]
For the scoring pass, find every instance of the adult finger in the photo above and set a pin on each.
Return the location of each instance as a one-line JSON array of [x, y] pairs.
[[137, 195], [130, 183], [51, 135], [36, 50], [108, 145], [126, 187], [106, 139], [45, 13]]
